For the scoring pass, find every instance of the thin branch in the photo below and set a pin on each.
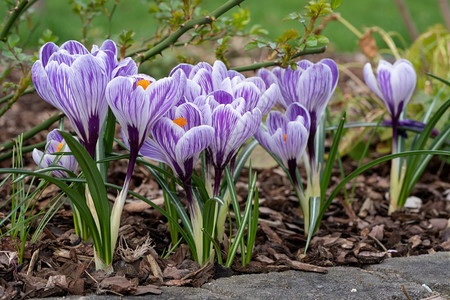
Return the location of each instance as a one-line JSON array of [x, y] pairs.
[[277, 62], [17, 11], [407, 19], [171, 39], [33, 131], [25, 149], [445, 12]]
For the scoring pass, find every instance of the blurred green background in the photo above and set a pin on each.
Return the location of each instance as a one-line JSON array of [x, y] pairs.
[[133, 15]]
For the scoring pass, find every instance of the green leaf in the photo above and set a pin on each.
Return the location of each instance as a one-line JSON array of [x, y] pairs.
[[314, 208], [13, 39], [97, 190], [368, 166], [335, 4], [326, 176]]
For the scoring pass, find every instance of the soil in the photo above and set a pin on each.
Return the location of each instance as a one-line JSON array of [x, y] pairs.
[[353, 234]]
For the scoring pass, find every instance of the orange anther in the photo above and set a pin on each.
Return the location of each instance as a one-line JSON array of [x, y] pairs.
[[58, 148], [144, 83], [180, 121], [285, 138]]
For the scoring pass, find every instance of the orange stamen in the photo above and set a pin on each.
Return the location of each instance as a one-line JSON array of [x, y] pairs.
[[58, 148], [144, 83], [285, 138], [180, 121]]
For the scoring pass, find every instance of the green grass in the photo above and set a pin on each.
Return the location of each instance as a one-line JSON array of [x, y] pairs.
[[133, 14]]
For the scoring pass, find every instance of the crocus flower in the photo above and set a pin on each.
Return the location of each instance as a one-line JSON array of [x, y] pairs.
[[178, 140], [394, 84], [286, 135], [310, 85], [138, 101], [204, 79], [74, 80], [55, 144], [233, 125]]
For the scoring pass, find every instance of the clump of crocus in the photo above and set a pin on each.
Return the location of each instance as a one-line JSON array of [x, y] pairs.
[[394, 84], [138, 102], [178, 139], [55, 144], [74, 80], [311, 86]]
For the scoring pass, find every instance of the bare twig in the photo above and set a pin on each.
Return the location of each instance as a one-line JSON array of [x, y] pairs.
[[17, 11], [277, 62], [445, 12], [171, 39], [407, 19], [406, 293]]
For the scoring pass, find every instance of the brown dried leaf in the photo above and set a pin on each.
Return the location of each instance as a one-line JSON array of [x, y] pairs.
[[147, 289], [118, 284]]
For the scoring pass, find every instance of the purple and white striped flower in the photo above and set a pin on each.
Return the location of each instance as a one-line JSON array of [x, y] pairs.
[[178, 139], [138, 102], [286, 135], [74, 80], [233, 125], [394, 84], [204, 79], [55, 144], [310, 85]]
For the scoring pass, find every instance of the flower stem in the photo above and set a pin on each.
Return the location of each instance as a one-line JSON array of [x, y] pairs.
[[394, 180], [217, 180]]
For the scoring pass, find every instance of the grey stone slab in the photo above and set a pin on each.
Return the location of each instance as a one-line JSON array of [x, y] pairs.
[[432, 270], [382, 281]]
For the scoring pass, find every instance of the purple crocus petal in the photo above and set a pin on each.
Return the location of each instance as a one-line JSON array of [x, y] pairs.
[[74, 47], [186, 68], [266, 140], [268, 77], [258, 82], [193, 142], [220, 97], [205, 109], [46, 51], [385, 83], [404, 80], [226, 86], [55, 143], [109, 45], [276, 120], [285, 139], [151, 150], [305, 64], [204, 80], [296, 110], [334, 72], [86, 103], [192, 91], [200, 66], [394, 84], [231, 130], [314, 89], [62, 57], [42, 84], [232, 74], [165, 93], [250, 92], [292, 143], [371, 81], [218, 74], [190, 113], [124, 68], [269, 98]]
